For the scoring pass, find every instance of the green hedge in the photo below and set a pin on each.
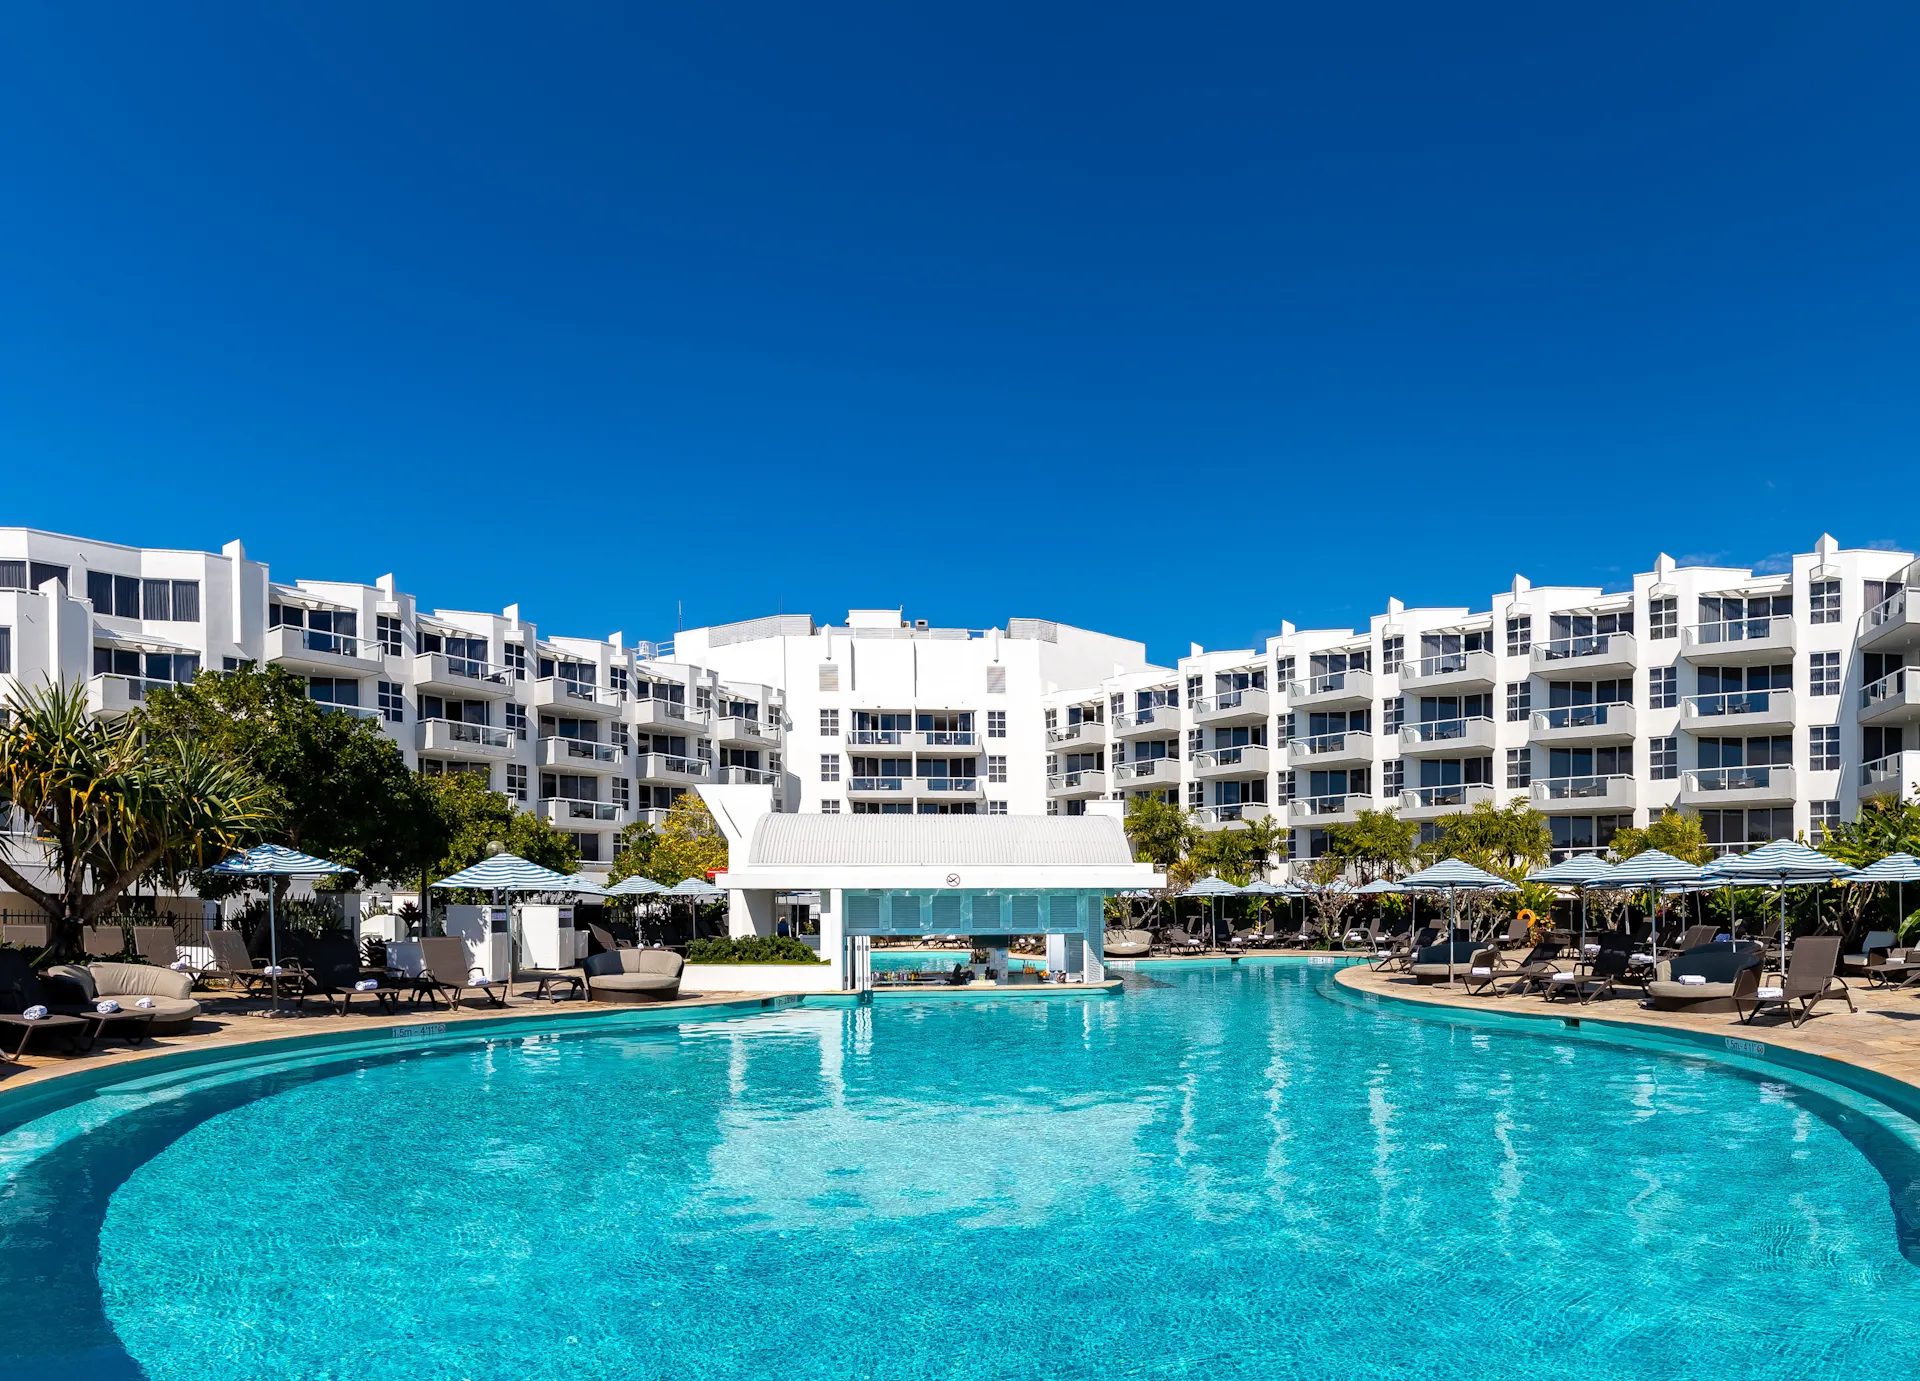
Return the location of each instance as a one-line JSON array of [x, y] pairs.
[[751, 949]]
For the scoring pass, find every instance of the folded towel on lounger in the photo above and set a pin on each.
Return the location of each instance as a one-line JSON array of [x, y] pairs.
[[1566, 977], [35, 1013], [180, 966], [145, 1004], [1480, 973], [366, 985], [272, 970], [107, 1007], [1640, 958], [1693, 980], [1771, 992]]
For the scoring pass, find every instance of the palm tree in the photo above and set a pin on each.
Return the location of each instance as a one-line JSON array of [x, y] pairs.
[[109, 805]]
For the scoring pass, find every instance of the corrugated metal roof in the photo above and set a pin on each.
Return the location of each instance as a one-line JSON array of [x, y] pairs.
[[1036, 841]]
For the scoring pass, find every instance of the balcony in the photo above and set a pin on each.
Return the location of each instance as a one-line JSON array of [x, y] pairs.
[[1450, 671], [1248, 706], [880, 788], [1734, 712], [1352, 749], [1567, 794], [568, 813], [745, 733], [944, 740], [1091, 733], [1156, 721], [1317, 812], [449, 738], [879, 738], [667, 716], [1583, 724], [1890, 625], [1892, 699], [115, 695], [1728, 787], [1896, 775], [951, 788], [1083, 785], [669, 768], [1220, 817], [1601, 655], [727, 775], [1149, 774], [1243, 760], [570, 697], [322, 654], [1432, 802], [1335, 690], [1448, 738], [438, 674], [578, 753], [1739, 642]]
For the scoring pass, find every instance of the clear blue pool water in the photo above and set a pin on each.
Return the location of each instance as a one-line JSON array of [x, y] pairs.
[[1223, 1173]]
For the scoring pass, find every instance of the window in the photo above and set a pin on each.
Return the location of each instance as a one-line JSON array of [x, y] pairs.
[[996, 680], [1823, 601], [1196, 795], [829, 724], [1519, 767], [1393, 651], [1823, 748], [996, 767], [1822, 817], [1519, 634], [1288, 786], [118, 596], [996, 723], [829, 676], [829, 767], [392, 704], [1050, 718], [829, 807], [1283, 671], [6, 651], [1288, 724], [13, 576], [174, 601], [996, 807], [517, 781], [1519, 700], [386, 631], [42, 572], [1663, 759], [1823, 676], [703, 700], [1663, 688], [1663, 618], [617, 679], [1393, 777], [1393, 713], [517, 720], [331, 690], [1196, 740], [1194, 686], [622, 793], [516, 655]]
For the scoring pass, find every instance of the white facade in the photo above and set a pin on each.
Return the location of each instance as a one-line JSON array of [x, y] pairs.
[[1770, 704]]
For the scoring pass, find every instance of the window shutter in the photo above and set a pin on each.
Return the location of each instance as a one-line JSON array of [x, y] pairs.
[[996, 680], [829, 676]]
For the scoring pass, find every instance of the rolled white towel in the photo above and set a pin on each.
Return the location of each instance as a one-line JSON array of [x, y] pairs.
[[366, 985], [1692, 980], [272, 970], [1771, 992], [35, 1013], [179, 966], [1566, 978], [106, 1007], [144, 1004], [1480, 972], [1640, 958], [1589, 949]]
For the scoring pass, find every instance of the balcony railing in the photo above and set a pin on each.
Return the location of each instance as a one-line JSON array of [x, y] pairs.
[[458, 731], [1325, 805], [1575, 716], [351, 711], [559, 747], [1087, 729], [730, 775], [877, 738], [1876, 776], [668, 764], [1579, 788], [1733, 778], [1435, 797], [1892, 609], [1731, 702], [953, 783], [878, 783], [338, 644], [948, 738], [1250, 698], [1889, 687], [1331, 682], [572, 808], [1148, 769], [1168, 715], [1735, 630], [1566, 649], [1445, 730], [1446, 664], [1323, 745]]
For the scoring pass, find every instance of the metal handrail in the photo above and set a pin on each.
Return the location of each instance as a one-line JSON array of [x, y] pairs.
[[1579, 788], [956, 783], [472, 668], [1887, 687], [949, 738], [1326, 805], [575, 690], [1317, 744], [877, 738], [460, 731], [1894, 606], [1147, 714], [582, 748], [1730, 702], [1320, 685], [1444, 664], [577, 809], [1147, 767], [1736, 630], [1733, 778], [1443, 730], [1880, 770], [1455, 794], [313, 640], [1226, 700], [1575, 716], [689, 767], [1061, 781], [1585, 645], [1224, 757], [877, 783]]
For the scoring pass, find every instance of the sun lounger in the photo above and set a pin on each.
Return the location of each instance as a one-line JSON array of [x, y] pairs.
[[232, 962], [1405, 948], [1486, 968], [1696, 936], [1877, 945], [32, 937], [1536, 971], [1177, 941], [447, 970], [1810, 980], [103, 941]]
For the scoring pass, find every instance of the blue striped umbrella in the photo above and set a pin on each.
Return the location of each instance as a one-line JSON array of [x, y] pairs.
[[1784, 863], [1454, 876], [1899, 869], [635, 886], [276, 861], [508, 873], [1582, 872], [1657, 871]]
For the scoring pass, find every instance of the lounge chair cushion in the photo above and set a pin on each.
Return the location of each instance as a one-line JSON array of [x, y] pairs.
[[173, 1008], [634, 972]]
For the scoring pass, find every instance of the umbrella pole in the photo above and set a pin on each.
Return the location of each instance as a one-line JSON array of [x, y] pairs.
[[273, 946], [1453, 907]]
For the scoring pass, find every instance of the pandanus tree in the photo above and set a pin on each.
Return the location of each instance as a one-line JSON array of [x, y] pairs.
[[106, 804]]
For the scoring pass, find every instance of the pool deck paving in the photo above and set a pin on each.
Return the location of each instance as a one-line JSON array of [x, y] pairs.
[[1883, 1036]]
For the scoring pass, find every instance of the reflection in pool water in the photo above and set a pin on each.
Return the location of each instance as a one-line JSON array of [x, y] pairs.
[[1227, 1174]]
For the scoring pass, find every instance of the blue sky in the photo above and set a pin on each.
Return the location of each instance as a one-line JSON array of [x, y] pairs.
[[1170, 322]]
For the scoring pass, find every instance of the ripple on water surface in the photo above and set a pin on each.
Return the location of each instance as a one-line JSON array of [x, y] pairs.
[[1227, 1176]]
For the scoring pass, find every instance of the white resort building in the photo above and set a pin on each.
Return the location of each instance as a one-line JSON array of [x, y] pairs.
[[1770, 704]]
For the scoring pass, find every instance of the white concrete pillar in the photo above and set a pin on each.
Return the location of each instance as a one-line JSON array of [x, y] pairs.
[[749, 912], [833, 934]]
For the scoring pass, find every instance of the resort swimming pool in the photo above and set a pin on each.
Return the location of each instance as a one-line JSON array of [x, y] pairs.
[[1228, 1171]]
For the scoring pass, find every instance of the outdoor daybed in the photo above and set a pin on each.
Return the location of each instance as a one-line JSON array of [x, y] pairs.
[[1717, 965], [633, 975], [1128, 944], [1430, 965], [173, 1008]]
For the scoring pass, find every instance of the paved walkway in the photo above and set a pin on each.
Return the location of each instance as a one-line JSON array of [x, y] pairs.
[[1883, 1036]]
